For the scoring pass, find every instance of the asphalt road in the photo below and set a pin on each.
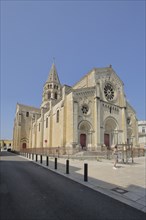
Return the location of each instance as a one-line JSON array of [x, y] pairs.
[[31, 192]]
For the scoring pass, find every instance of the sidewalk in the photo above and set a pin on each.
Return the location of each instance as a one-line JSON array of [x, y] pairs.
[[127, 183]]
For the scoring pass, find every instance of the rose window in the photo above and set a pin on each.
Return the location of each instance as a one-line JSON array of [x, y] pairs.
[[85, 109], [109, 92]]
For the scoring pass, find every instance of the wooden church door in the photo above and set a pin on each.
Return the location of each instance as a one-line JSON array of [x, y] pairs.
[[83, 140]]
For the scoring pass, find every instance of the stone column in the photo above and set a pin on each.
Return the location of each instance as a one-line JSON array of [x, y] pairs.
[[50, 130], [124, 124], [75, 122], [97, 118], [42, 127], [90, 140]]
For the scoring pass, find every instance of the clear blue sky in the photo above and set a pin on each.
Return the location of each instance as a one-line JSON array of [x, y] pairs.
[[80, 35]]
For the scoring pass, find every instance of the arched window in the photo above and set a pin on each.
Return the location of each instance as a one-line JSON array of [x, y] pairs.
[[55, 95], [57, 116], [27, 114], [49, 95]]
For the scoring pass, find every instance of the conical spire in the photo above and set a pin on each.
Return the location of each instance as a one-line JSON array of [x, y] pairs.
[[52, 88], [53, 76]]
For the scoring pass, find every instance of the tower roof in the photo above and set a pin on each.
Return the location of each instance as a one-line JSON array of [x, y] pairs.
[[53, 75]]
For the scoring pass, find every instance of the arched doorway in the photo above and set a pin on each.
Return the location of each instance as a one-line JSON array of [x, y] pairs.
[[24, 146], [24, 143], [110, 132], [83, 140], [85, 134]]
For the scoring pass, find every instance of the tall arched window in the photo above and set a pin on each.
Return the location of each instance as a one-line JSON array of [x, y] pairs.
[[46, 122], [49, 95], [27, 114], [57, 116], [55, 95]]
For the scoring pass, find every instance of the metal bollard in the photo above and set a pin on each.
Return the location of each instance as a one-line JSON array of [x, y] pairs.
[[40, 158], [55, 163], [67, 166], [36, 159], [85, 172], [47, 160]]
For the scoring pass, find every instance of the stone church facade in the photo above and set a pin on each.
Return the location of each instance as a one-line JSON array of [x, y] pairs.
[[92, 113]]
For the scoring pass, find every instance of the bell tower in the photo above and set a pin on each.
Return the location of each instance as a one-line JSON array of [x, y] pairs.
[[52, 88]]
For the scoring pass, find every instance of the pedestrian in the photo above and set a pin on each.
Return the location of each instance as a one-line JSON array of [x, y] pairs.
[[115, 154]]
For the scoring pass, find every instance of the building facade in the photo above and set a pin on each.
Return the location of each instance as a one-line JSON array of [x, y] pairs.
[[142, 133], [6, 144], [92, 113]]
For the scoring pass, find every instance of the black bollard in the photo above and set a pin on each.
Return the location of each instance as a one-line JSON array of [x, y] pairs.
[[47, 160], [55, 163], [85, 172], [67, 166]]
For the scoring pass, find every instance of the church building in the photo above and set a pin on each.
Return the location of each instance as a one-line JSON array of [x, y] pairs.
[[92, 113]]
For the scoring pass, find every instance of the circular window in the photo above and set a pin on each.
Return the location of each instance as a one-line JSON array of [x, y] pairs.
[[109, 92], [85, 109]]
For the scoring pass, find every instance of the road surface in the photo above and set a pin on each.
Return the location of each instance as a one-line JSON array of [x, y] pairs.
[[31, 192]]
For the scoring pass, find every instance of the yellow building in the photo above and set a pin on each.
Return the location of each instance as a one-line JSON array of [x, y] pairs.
[[92, 113], [6, 144]]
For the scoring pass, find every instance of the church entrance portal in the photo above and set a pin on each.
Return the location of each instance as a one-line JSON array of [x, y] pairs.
[[24, 145], [85, 135], [83, 140], [111, 132], [106, 140]]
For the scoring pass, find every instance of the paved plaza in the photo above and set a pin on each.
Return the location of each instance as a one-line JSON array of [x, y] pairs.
[[127, 183]]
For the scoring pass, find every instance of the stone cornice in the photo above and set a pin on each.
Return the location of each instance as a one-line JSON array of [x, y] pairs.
[[90, 91]]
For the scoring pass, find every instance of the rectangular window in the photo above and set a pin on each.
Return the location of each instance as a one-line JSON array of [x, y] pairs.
[[143, 129], [39, 126]]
